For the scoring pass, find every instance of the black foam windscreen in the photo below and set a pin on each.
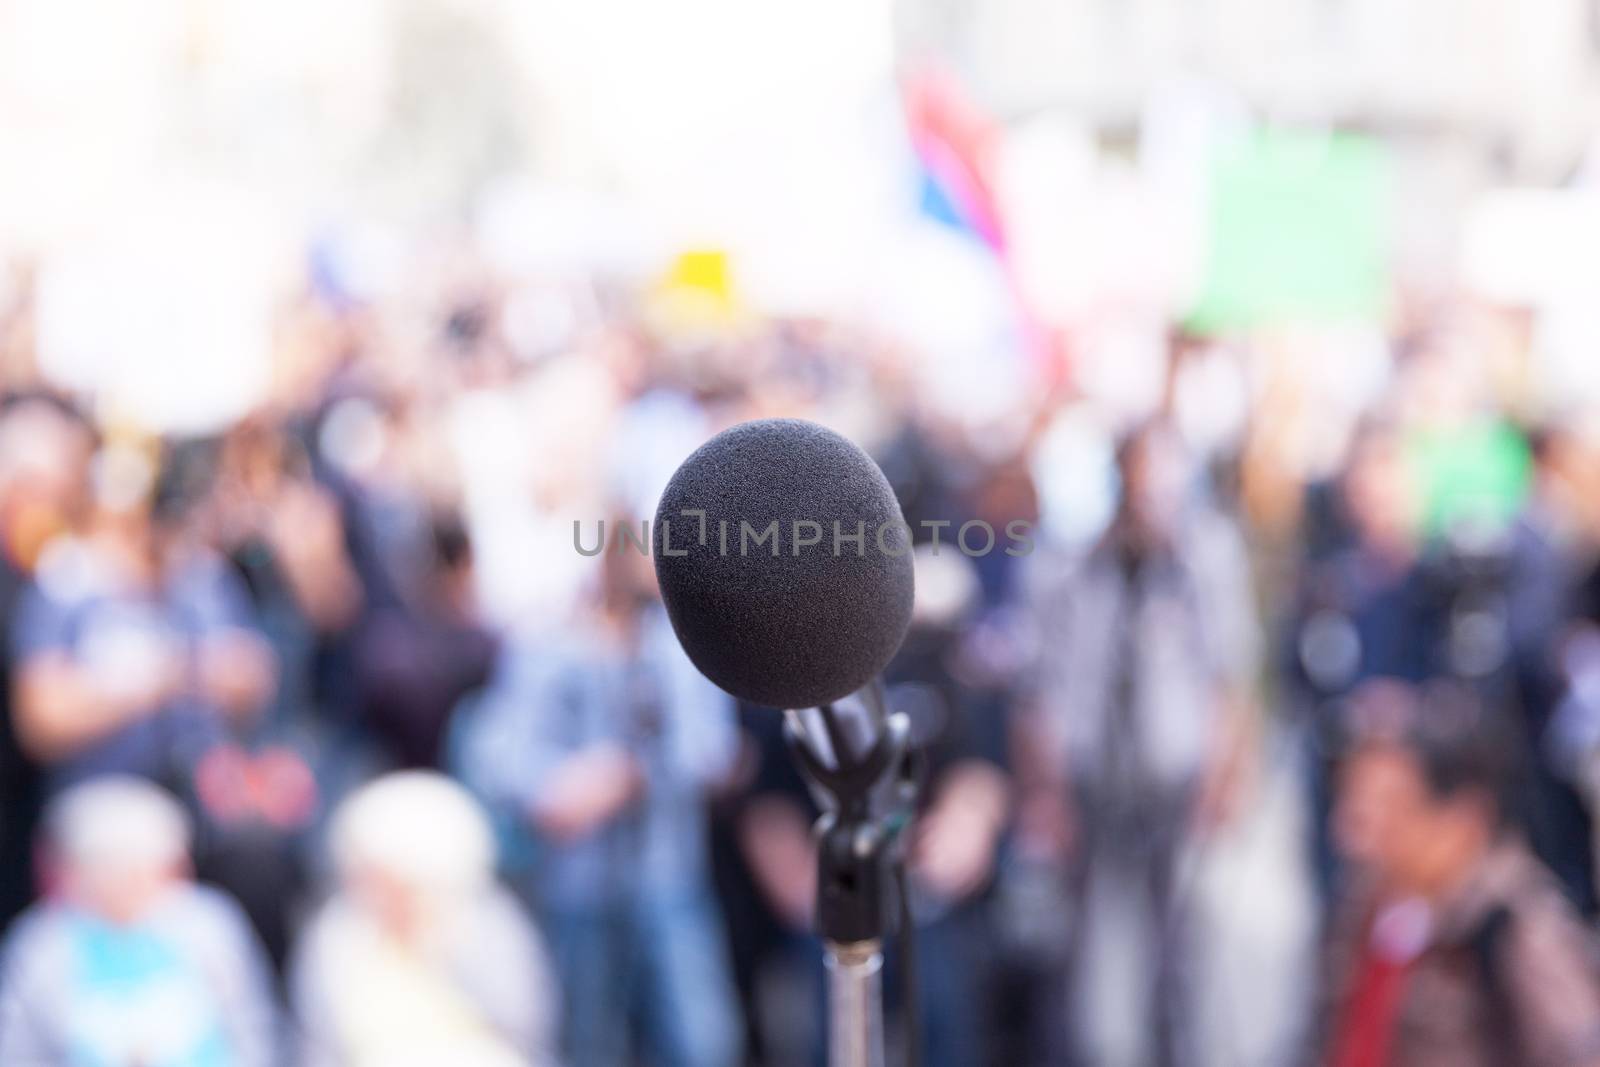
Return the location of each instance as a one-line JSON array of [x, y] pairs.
[[794, 588]]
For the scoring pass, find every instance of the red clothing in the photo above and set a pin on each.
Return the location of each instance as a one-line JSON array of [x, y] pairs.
[[1366, 1028]]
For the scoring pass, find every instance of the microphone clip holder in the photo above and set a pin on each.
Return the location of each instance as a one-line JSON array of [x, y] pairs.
[[868, 798]]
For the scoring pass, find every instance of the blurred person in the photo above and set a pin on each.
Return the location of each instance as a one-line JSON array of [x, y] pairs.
[[138, 652], [597, 742], [1570, 745], [417, 659], [282, 533], [45, 446], [416, 645], [1148, 654], [766, 866], [136, 649], [127, 962], [420, 956], [1484, 600], [959, 724], [282, 529], [1363, 605], [1453, 945], [1547, 551]]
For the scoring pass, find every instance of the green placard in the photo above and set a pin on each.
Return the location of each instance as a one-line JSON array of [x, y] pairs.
[[1477, 472], [1297, 231]]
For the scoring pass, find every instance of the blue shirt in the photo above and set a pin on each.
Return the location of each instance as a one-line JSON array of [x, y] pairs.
[[186, 986], [78, 608], [563, 693]]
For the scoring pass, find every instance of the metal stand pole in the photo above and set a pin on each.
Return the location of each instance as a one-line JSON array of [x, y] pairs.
[[855, 1004]]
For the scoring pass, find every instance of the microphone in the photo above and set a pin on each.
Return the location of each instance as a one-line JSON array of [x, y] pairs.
[[785, 566], [784, 563]]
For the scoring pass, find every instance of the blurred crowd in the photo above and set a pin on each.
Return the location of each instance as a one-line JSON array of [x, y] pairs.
[[321, 743]]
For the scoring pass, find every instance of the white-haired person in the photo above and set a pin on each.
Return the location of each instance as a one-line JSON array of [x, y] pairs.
[[420, 957], [126, 960]]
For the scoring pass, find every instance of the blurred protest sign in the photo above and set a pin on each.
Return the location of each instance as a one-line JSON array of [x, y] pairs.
[[167, 317], [1474, 474], [697, 296], [1296, 231], [1540, 249], [1532, 246]]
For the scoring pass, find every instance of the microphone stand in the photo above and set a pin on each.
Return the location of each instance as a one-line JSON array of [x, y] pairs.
[[867, 792]]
